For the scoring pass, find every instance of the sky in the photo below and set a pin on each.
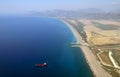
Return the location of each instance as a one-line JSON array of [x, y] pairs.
[[24, 6]]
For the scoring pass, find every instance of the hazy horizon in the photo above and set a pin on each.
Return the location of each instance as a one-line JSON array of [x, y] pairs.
[[25, 6]]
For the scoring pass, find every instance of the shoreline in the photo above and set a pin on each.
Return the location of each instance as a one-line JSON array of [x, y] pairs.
[[91, 60]]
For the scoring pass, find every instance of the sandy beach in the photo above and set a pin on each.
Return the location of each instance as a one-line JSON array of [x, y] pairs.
[[94, 64]]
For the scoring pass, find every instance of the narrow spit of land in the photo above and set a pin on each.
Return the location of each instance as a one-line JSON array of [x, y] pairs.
[[94, 64]]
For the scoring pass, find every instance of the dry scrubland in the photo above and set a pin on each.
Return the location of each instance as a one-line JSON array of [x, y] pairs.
[[99, 36], [103, 38]]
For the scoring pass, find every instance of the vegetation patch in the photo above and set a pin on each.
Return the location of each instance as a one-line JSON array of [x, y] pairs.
[[105, 58], [116, 55], [80, 28], [112, 71]]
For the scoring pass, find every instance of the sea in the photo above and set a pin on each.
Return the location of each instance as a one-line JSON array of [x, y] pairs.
[[29, 40]]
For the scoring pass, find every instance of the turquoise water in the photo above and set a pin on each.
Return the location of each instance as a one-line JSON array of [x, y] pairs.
[[26, 41]]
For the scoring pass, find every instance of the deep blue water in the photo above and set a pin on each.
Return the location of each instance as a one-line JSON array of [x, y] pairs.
[[26, 41]]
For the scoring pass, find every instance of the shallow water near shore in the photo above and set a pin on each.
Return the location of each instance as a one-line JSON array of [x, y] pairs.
[[26, 41]]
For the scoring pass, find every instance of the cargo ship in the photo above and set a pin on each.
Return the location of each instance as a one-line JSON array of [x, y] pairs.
[[41, 65]]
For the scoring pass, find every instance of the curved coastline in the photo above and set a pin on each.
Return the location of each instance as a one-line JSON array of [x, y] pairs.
[[93, 63]]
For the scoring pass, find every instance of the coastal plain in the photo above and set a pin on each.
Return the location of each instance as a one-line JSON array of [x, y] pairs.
[[100, 43]]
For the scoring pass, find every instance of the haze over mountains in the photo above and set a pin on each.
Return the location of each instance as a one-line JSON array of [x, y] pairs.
[[82, 13]]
